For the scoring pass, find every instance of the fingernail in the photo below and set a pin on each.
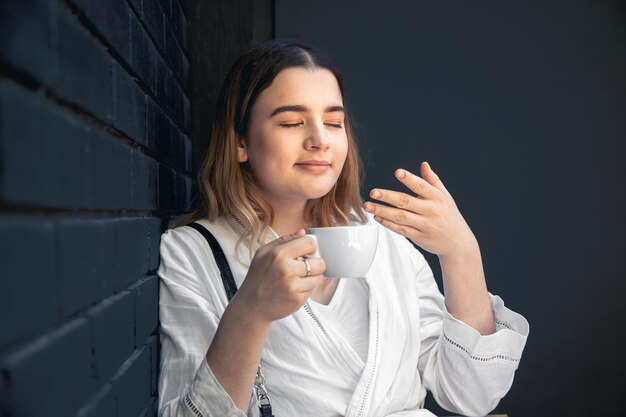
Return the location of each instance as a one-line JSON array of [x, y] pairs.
[[400, 173], [369, 207], [378, 219], [375, 194]]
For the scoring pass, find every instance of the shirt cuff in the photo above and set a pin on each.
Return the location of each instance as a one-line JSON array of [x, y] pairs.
[[507, 343], [207, 396]]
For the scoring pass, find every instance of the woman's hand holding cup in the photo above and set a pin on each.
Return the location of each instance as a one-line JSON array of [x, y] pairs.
[[277, 284]]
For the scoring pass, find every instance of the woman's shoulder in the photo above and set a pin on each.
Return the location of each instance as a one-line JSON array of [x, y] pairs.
[[186, 238]]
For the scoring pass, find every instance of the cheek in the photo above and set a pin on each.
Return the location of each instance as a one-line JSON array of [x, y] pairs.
[[342, 151]]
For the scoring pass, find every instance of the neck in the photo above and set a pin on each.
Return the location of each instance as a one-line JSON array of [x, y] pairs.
[[288, 218]]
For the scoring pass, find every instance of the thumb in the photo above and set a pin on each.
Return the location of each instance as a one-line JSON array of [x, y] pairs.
[[287, 238]]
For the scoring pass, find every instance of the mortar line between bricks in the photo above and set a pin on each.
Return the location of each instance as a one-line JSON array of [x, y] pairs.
[[93, 31], [27, 82], [10, 72], [139, 13], [139, 16], [18, 344], [93, 120], [9, 208]]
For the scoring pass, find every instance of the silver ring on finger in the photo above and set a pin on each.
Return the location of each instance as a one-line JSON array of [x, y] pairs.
[[308, 267]]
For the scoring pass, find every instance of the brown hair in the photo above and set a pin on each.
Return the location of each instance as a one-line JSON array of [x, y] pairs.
[[228, 187]]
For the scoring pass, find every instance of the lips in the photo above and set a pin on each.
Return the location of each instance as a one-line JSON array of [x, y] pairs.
[[314, 163], [314, 166]]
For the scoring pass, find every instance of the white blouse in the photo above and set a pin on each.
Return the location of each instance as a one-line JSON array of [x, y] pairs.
[[313, 366], [347, 313]]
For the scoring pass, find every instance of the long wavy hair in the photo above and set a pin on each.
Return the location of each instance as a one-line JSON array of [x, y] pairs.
[[228, 187]]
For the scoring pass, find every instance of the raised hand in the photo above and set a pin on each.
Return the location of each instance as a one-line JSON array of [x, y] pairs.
[[429, 216]]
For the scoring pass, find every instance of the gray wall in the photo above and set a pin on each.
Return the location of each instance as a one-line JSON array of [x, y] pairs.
[[519, 106]]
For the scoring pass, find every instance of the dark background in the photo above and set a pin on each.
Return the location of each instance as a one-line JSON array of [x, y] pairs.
[[105, 110], [520, 106]]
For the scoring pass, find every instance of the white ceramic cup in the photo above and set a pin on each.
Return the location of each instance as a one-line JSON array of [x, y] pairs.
[[348, 251]]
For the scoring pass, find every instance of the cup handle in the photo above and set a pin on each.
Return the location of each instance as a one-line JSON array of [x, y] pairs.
[[317, 253]]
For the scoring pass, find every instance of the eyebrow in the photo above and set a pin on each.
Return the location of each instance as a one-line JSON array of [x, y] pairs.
[[304, 109]]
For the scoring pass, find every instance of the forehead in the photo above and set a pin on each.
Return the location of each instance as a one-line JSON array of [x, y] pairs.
[[300, 85]]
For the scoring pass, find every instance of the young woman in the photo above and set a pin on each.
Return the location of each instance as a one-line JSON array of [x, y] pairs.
[[282, 158]]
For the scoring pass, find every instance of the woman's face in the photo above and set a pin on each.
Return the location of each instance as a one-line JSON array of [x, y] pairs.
[[296, 143]]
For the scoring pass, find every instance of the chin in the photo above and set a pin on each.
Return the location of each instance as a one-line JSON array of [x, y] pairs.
[[320, 192]]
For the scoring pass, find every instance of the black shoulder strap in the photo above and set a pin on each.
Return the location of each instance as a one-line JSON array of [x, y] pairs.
[[220, 259]]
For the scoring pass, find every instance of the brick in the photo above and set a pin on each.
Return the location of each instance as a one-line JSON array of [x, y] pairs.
[[26, 38], [186, 118], [44, 155], [112, 19], [28, 284], [177, 149], [144, 181], [52, 375], [183, 191], [132, 384], [102, 404], [185, 73], [167, 187], [153, 112], [84, 67], [86, 254], [146, 294], [178, 104], [172, 50], [154, 241], [142, 54], [132, 249], [188, 149], [188, 154], [179, 22], [112, 334], [166, 8], [161, 74], [109, 170], [129, 105], [159, 130], [153, 343], [153, 18]]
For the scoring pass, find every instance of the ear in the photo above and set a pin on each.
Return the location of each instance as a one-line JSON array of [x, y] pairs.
[[242, 149]]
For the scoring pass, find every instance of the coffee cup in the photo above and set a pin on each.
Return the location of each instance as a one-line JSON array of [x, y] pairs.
[[348, 251]]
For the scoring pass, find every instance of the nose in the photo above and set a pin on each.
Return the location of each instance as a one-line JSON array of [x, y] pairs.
[[317, 140]]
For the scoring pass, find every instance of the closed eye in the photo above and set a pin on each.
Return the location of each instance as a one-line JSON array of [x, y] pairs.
[[338, 126], [288, 125]]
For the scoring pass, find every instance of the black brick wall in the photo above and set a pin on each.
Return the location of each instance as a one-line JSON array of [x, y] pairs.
[[99, 103], [95, 158]]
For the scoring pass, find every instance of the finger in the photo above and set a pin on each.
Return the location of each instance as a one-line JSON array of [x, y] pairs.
[[286, 238], [396, 215], [418, 185], [300, 246], [415, 235], [400, 200], [317, 265], [429, 175], [310, 283]]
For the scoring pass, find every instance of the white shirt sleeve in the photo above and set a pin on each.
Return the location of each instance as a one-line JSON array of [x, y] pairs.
[[188, 322], [467, 373]]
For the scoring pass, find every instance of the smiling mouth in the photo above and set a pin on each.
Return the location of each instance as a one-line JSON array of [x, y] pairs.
[[314, 163], [314, 167]]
